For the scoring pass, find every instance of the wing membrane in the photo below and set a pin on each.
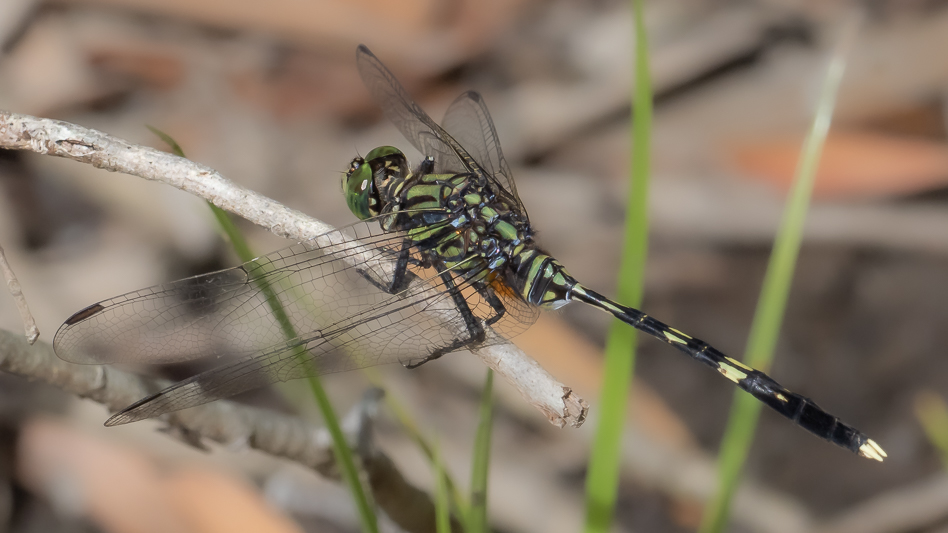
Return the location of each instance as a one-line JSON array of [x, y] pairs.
[[407, 328], [469, 122], [331, 291], [317, 282], [419, 128]]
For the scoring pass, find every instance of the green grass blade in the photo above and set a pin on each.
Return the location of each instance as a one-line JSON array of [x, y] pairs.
[[932, 414], [234, 235], [442, 499], [340, 447], [344, 457], [169, 140], [477, 516], [413, 430], [602, 479], [771, 304]]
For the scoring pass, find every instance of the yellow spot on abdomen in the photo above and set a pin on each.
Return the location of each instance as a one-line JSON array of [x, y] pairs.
[[740, 364], [731, 373]]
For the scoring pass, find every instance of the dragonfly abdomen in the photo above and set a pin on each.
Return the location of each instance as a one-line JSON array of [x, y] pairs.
[[540, 279], [799, 409]]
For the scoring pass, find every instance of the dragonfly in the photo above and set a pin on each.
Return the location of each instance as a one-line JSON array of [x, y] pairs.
[[443, 259]]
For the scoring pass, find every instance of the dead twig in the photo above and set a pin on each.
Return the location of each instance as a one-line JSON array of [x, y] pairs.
[[62, 139], [235, 425], [32, 332]]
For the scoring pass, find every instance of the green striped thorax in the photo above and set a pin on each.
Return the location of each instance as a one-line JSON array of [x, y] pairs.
[[462, 222]]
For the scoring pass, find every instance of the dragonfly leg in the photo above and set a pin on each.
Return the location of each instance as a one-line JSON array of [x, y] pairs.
[[498, 306], [401, 277], [474, 327]]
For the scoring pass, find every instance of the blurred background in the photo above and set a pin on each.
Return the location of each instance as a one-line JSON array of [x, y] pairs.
[[268, 94]]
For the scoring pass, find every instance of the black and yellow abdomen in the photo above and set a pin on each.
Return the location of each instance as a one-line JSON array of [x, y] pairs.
[[540, 279]]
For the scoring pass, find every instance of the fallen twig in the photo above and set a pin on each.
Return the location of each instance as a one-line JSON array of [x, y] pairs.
[[234, 425]]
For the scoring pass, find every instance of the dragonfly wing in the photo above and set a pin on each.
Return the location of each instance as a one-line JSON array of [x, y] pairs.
[[469, 122], [410, 327], [229, 313], [419, 128], [398, 107]]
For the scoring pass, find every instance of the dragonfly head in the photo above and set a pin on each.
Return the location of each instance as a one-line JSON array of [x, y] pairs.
[[359, 184]]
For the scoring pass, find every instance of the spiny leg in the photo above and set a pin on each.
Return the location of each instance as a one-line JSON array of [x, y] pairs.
[[474, 327], [498, 306], [800, 409], [402, 277]]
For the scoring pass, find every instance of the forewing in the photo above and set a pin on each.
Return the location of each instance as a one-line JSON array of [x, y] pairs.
[[317, 283], [419, 128], [468, 121], [338, 317]]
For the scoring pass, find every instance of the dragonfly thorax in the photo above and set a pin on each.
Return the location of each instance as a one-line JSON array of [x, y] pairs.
[[459, 222]]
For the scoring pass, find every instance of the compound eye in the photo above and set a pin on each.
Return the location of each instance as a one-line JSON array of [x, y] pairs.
[[357, 187], [382, 151]]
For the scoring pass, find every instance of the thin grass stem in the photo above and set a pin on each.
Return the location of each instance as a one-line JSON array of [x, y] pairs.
[[477, 517], [340, 446], [602, 479]]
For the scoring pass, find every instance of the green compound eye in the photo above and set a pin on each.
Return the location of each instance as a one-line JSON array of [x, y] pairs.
[[357, 187], [384, 162], [382, 151]]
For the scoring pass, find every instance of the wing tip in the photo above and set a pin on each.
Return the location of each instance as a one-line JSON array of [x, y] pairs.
[[130, 414], [139, 410], [118, 419], [84, 313], [473, 95], [363, 50]]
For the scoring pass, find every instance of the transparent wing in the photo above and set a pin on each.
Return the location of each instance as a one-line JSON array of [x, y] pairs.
[[419, 128], [469, 122], [317, 282], [410, 327], [333, 292]]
